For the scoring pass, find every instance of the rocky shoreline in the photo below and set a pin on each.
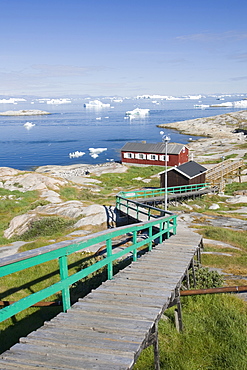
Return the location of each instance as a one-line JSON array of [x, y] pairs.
[[34, 112], [219, 136]]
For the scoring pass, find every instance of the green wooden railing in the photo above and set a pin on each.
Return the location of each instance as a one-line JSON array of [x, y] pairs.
[[152, 193], [134, 209], [158, 229]]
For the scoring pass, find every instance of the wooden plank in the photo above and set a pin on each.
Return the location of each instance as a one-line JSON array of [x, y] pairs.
[[33, 361], [117, 310], [83, 344], [62, 355]]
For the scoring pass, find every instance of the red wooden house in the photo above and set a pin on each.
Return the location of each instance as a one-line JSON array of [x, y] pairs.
[[149, 154]]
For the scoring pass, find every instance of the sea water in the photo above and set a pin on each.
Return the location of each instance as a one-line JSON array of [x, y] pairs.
[[27, 142]]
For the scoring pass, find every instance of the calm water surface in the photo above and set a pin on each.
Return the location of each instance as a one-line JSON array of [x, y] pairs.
[[71, 127]]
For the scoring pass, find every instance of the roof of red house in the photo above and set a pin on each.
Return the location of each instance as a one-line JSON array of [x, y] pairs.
[[156, 148]]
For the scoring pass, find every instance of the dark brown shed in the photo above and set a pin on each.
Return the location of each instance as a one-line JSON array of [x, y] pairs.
[[186, 174]]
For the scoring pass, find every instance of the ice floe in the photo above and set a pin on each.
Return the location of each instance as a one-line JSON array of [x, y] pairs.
[[59, 101], [137, 112], [235, 104], [76, 154], [28, 125], [11, 100], [94, 152], [96, 104]]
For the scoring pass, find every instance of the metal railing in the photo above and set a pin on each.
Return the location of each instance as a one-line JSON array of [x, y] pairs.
[[138, 210], [158, 228], [152, 193]]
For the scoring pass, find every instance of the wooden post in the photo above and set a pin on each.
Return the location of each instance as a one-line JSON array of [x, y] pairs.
[[156, 348], [178, 312], [187, 279], [193, 272]]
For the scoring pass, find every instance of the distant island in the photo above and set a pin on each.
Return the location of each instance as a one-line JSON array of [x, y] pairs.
[[33, 112]]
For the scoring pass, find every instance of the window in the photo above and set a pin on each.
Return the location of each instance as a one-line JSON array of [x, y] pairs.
[[163, 158], [141, 156], [128, 155], [153, 157]]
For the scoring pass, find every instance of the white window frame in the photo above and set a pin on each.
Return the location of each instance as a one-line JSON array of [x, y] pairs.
[[128, 155], [140, 156], [163, 157], [153, 157]]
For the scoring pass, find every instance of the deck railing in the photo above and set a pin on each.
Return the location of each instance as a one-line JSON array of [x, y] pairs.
[[157, 228], [152, 193], [136, 210]]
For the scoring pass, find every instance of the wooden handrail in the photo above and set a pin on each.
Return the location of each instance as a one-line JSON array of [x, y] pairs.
[[21, 261]]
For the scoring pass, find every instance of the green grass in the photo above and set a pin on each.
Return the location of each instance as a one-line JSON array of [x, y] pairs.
[[214, 336], [235, 264], [48, 226], [215, 161], [128, 179], [234, 186], [9, 208]]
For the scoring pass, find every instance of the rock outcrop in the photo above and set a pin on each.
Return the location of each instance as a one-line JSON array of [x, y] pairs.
[[91, 215], [33, 112]]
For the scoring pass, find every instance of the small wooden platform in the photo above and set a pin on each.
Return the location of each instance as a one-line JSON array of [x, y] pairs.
[[175, 196], [109, 328]]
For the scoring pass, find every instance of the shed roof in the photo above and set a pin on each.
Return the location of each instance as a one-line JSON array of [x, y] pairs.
[[157, 148], [189, 169]]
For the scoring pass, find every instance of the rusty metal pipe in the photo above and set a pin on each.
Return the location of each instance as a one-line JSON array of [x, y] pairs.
[[39, 304], [228, 289]]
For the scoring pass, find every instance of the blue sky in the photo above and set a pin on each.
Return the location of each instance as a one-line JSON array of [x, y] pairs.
[[125, 48]]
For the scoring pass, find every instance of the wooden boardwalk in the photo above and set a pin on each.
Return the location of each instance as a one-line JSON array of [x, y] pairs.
[[109, 328]]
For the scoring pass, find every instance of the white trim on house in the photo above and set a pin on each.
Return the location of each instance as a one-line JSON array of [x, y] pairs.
[[153, 157], [129, 155], [140, 156], [163, 158]]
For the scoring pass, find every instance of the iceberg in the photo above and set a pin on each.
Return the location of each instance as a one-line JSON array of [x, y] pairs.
[[11, 100], [240, 104], [96, 104], [76, 154], [28, 125], [226, 105], [58, 101], [137, 112], [94, 152]]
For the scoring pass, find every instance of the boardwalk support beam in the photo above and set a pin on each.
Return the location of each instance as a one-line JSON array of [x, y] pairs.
[[178, 311], [152, 340]]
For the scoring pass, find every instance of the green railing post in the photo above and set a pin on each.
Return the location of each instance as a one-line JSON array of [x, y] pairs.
[[63, 265], [161, 229], [135, 249], [168, 228], [150, 234], [174, 225], [109, 253]]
